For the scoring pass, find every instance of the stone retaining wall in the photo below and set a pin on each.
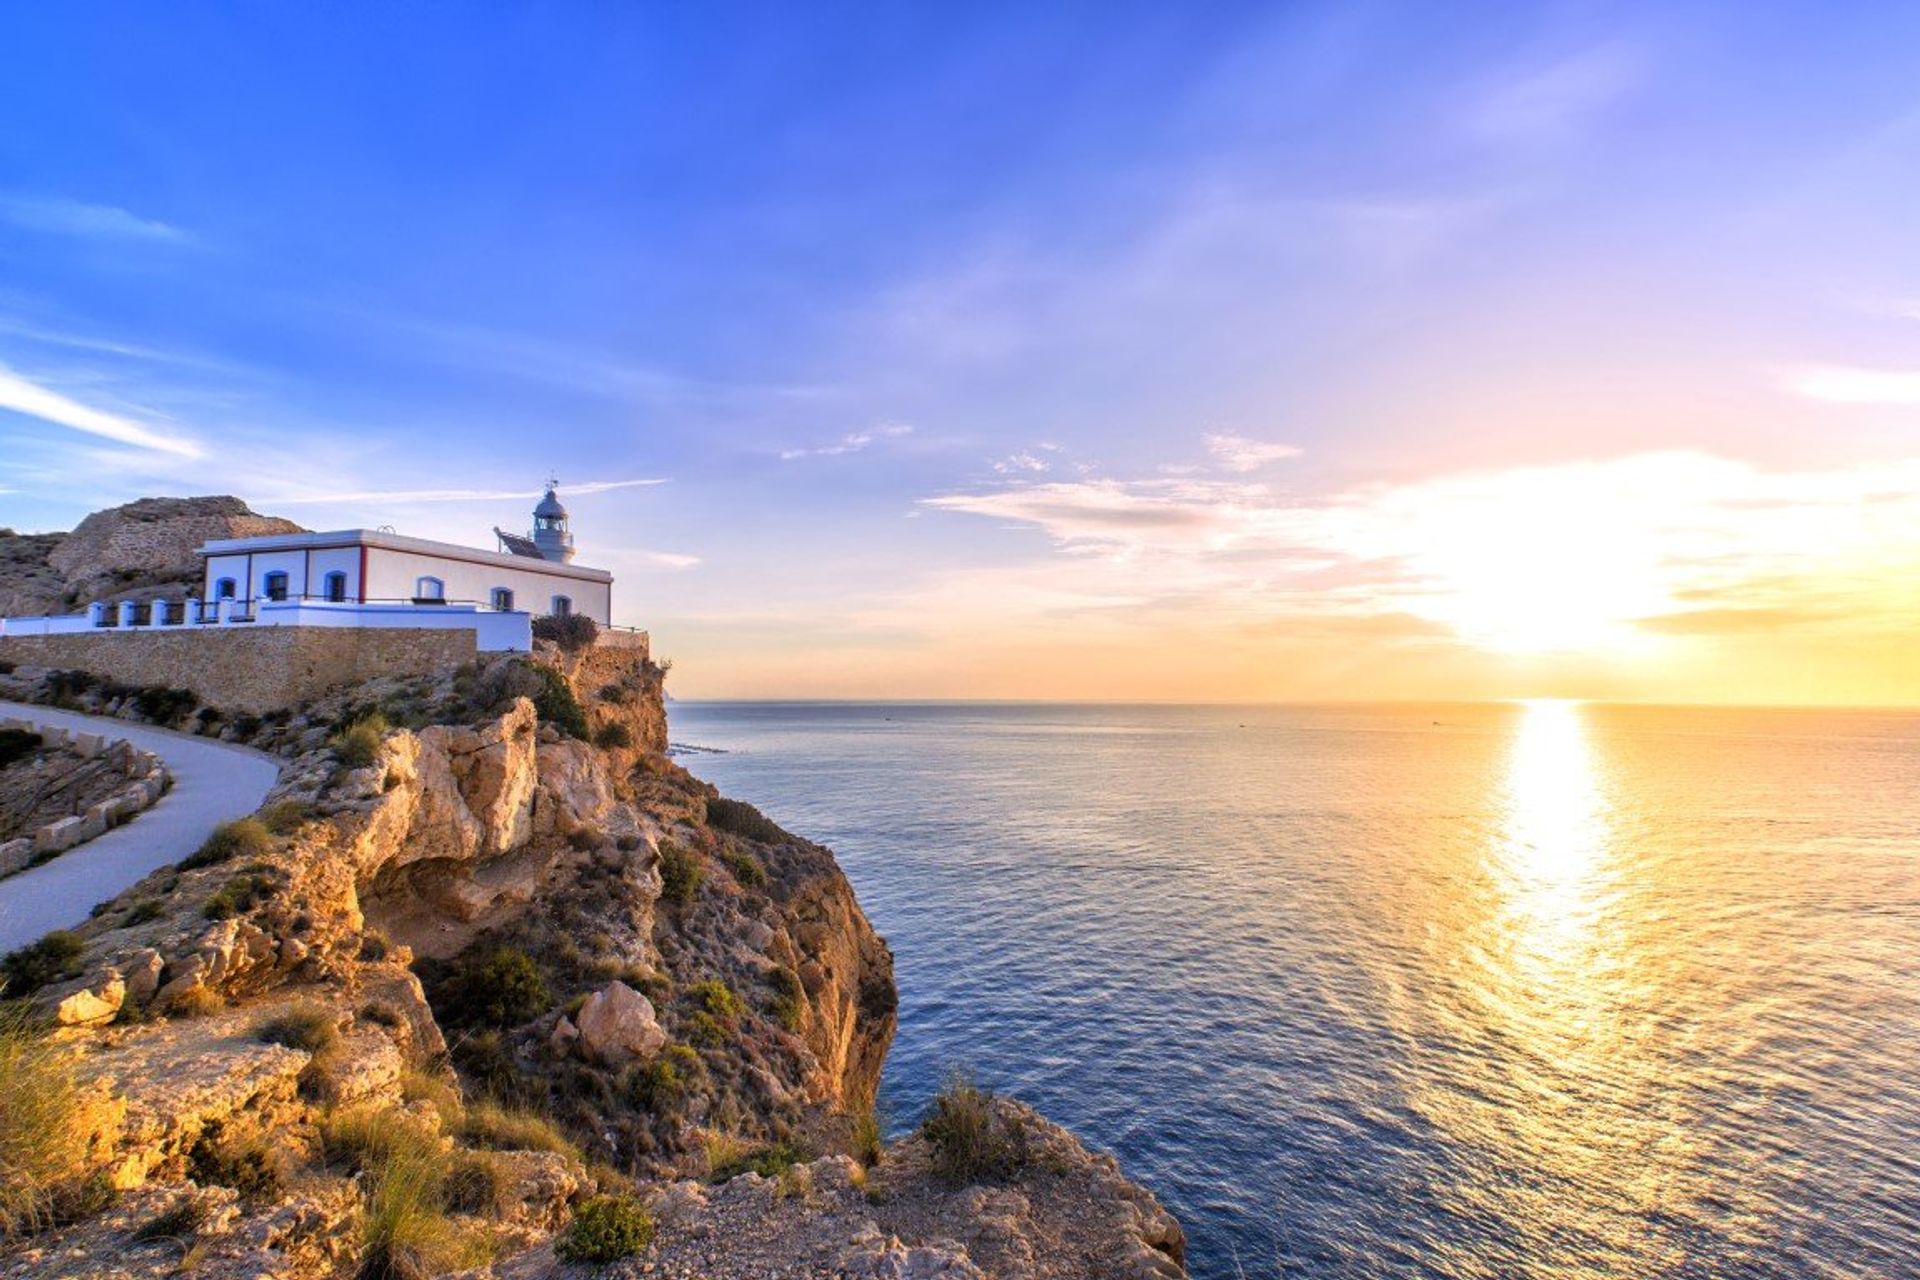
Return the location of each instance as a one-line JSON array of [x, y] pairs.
[[146, 783], [247, 669]]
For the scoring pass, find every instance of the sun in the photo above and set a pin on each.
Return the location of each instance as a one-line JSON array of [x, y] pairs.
[[1525, 565]]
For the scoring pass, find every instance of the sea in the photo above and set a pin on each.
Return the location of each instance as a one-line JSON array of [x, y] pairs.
[[1499, 990]]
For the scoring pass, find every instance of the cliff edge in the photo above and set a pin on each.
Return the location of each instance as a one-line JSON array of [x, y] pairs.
[[492, 986]]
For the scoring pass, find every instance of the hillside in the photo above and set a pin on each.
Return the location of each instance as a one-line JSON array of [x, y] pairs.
[[138, 551], [487, 980]]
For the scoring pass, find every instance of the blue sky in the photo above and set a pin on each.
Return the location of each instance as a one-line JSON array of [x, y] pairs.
[[1002, 350]]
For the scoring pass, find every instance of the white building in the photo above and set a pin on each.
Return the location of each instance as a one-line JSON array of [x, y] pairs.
[[375, 579], [362, 566]]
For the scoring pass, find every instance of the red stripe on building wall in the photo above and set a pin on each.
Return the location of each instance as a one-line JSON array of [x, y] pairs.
[[363, 573]]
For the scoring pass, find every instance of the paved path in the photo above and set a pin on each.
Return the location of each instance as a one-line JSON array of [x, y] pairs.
[[212, 782]]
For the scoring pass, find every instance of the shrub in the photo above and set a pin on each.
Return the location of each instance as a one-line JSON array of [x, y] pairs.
[[241, 838], [613, 735], [405, 1233], [43, 1134], [768, 1161], [144, 910], [251, 1166], [605, 1228], [476, 1185], [436, 1091], [680, 874], [742, 819], [358, 746], [717, 998], [571, 631], [746, 869], [239, 895], [789, 1002], [286, 817], [18, 744], [162, 705], [864, 1136], [38, 963], [970, 1139], [499, 1128], [662, 1082], [503, 988], [304, 1026], [706, 1031], [555, 703]]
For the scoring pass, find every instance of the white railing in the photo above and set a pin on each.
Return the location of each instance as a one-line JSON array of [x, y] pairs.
[[494, 630]]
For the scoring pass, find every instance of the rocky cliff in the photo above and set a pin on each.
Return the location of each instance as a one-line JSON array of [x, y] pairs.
[[141, 550], [489, 984]]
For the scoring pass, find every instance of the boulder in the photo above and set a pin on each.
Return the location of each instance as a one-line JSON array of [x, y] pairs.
[[617, 1023]]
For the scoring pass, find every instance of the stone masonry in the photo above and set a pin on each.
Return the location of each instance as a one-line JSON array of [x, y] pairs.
[[247, 669]]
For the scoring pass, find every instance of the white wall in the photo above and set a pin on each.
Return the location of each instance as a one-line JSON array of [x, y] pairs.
[[393, 575], [295, 564]]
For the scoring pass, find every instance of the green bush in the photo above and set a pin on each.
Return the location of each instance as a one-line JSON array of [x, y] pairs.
[[864, 1136], [241, 838], [742, 819], [311, 1027], [240, 895], [789, 1002], [359, 746], [613, 735], [707, 1031], [717, 998], [556, 704], [662, 1082], [286, 816], [746, 869], [604, 1229], [502, 988], [43, 1134], [571, 631], [476, 1185], [38, 963], [144, 910], [162, 705], [970, 1139], [680, 874], [769, 1161]]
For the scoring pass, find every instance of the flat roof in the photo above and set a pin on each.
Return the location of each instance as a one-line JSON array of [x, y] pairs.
[[397, 542]]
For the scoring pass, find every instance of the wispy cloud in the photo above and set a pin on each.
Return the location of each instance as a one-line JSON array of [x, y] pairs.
[[1553, 101], [299, 498], [35, 401], [1846, 384], [1021, 462], [1591, 555], [61, 216], [1239, 453], [852, 442]]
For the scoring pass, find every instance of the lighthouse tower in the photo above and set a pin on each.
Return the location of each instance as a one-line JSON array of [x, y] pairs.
[[550, 531]]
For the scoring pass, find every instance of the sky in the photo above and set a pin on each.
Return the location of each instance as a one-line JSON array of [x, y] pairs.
[[1106, 351]]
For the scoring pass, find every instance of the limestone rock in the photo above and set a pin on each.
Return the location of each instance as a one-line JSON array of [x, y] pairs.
[[617, 1023]]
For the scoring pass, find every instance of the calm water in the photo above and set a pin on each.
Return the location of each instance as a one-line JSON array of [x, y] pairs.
[[1540, 990]]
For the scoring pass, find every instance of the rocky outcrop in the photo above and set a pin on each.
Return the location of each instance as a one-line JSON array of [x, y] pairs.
[[146, 548], [580, 927]]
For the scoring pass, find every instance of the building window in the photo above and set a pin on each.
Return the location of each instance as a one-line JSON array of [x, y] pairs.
[[335, 587], [429, 591], [503, 600], [274, 585], [225, 589], [562, 606]]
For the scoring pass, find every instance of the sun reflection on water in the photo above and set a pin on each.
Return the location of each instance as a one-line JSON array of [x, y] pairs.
[[1552, 851]]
